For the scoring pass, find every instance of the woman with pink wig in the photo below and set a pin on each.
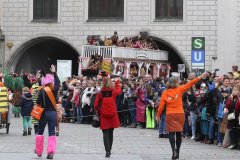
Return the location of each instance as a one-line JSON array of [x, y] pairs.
[[49, 115]]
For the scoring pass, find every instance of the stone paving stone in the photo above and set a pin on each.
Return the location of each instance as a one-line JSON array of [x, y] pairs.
[[83, 142]]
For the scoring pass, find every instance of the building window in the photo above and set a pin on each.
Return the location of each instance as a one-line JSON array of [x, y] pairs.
[[169, 9], [45, 9], [105, 10]]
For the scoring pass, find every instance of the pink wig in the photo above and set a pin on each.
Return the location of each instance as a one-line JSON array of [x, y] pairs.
[[47, 80]]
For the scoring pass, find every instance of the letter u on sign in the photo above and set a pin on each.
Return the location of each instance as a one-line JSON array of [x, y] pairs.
[[197, 56]]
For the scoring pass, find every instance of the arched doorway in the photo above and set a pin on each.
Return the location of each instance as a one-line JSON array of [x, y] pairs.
[[175, 57], [40, 53]]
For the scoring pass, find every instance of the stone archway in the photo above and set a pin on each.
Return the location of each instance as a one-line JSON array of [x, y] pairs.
[[40, 51], [175, 55]]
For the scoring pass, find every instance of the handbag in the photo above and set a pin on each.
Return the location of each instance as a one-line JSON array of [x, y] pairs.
[[96, 118], [38, 110], [96, 121], [231, 116]]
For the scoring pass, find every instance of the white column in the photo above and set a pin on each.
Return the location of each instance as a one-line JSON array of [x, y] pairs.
[[147, 66], [139, 67], [158, 68], [168, 70], [128, 67], [80, 66], [115, 63]]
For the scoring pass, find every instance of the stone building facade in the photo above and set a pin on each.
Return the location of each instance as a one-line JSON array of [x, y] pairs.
[[217, 21]]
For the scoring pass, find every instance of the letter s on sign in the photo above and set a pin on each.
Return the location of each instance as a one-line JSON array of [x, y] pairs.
[[198, 43]]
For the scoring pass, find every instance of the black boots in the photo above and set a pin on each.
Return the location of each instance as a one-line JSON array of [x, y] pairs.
[[175, 154], [24, 133], [108, 154], [29, 131], [50, 156]]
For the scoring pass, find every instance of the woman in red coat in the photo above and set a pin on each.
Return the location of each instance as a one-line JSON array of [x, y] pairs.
[[109, 120]]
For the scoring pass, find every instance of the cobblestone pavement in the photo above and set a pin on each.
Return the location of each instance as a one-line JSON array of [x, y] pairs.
[[83, 142]]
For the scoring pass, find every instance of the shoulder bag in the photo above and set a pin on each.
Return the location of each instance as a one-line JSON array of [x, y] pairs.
[[231, 116]]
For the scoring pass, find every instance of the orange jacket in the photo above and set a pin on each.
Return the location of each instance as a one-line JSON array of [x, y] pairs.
[[172, 98]]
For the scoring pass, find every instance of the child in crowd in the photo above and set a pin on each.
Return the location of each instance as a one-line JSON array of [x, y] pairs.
[[26, 105]]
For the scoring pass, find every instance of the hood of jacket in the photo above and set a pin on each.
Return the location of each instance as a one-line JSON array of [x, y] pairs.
[[27, 96]]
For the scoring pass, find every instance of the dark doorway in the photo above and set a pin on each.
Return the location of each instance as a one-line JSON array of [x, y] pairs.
[[40, 54], [173, 57]]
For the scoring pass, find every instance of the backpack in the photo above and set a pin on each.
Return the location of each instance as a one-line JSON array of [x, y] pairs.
[[108, 109]]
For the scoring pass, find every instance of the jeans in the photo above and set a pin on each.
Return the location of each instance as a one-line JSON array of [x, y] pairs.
[[220, 135], [27, 123], [50, 118], [79, 114], [64, 104], [162, 125], [211, 127], [186, 125], [204, 128], [133, 113], [193, 121]]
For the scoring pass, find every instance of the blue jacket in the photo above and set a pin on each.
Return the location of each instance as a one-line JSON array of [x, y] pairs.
[[26, 104]]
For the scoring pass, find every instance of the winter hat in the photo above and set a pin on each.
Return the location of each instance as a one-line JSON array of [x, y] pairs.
[[47, 80]]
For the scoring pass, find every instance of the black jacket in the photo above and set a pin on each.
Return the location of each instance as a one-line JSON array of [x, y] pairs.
[[26, 104], [214, 98], [48, 104]]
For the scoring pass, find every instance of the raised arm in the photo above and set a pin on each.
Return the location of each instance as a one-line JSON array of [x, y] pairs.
[[187, 86]]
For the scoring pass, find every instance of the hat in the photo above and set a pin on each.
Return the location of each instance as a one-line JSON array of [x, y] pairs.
[[226, 91], [47, 80]]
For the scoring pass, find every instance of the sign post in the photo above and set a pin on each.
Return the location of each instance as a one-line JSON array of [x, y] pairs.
[[198, 54]]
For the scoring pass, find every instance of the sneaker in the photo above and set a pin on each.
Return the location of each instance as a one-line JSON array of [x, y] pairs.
[[232, 147], [161, 135], [219, 144], [193, 137]]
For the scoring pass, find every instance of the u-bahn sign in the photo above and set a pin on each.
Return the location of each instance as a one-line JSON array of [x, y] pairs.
[[198, 54]]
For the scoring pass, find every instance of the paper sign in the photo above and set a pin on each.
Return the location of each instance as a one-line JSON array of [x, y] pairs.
[[106, 66], [64, 69]]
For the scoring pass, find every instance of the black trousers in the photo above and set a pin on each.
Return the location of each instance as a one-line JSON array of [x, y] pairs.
[[234, 136], [86, 113], [108, 139], [175, 139]]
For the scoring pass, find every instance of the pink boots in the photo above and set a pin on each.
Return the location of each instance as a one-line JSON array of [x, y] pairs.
[[51, 148], [39, 145]]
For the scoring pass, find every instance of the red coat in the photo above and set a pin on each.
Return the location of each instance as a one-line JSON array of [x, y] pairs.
[[108, 122]]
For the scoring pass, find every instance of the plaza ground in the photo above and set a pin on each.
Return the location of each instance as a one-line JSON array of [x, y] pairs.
[[83, 142]]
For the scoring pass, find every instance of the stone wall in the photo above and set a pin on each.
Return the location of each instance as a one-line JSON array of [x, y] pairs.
[[200, 19]]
